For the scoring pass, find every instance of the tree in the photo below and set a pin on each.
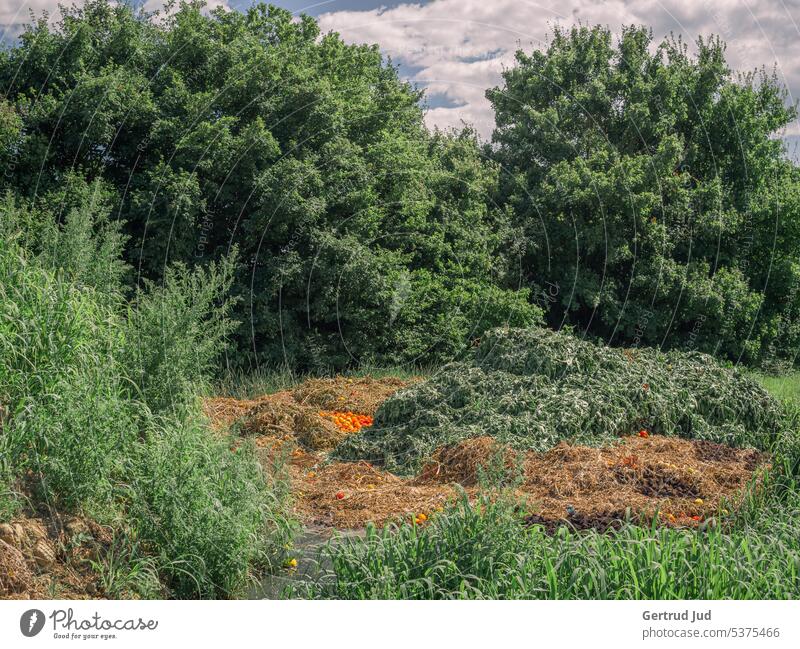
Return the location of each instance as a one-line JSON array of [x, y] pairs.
[[658, 205], [362, 236]]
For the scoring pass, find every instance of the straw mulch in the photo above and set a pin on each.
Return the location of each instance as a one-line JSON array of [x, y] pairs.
[[16, 577], [577, 485], [294, 414], [348, 495], [362, 395]]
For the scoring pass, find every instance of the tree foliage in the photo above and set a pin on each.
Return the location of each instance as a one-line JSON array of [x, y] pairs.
[[638, 191], [657, 203], [363, 238]]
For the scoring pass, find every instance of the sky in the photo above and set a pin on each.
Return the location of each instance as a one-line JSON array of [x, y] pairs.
[[456, 49]]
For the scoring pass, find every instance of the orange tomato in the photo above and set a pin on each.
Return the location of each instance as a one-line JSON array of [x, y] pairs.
[[349, 422]]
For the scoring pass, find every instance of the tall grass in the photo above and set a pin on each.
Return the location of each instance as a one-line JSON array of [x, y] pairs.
[[786, 388], [101, 416], [211, 517], [484, 551]]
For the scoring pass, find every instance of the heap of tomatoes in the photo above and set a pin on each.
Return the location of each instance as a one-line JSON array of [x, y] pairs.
[[348, 422]]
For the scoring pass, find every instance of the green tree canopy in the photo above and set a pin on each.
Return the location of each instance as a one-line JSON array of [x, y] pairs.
[[362, 237], [657, 203]]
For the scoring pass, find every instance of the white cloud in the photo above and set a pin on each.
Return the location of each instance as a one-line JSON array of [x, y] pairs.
[[158, 5], [457, 48], [13, 12]]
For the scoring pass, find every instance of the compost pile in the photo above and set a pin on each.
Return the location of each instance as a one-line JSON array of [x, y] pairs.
[[685, 483], [602, 462], [533, 388], [317, 413]]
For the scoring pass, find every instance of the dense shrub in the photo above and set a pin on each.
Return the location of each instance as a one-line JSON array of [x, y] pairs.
[[84, 430], [363, 238], [533, 387], [658, 205]]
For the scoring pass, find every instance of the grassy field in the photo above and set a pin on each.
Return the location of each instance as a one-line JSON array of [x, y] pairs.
[[786, 388]]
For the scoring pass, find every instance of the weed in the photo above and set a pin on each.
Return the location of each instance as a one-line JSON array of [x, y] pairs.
[[531, 388], [100, 416]]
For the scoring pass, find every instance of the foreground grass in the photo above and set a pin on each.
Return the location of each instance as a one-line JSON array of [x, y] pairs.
[[484, 551]]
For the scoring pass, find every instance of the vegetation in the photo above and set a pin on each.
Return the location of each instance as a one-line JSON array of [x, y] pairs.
[[204, 195], [99, 418], [786, 388], [532, 388], [656, 206], [485, 551], [363, 239]]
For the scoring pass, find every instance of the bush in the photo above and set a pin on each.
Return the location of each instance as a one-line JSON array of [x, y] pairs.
[[531, 388], [83, 430], [67, 418]]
